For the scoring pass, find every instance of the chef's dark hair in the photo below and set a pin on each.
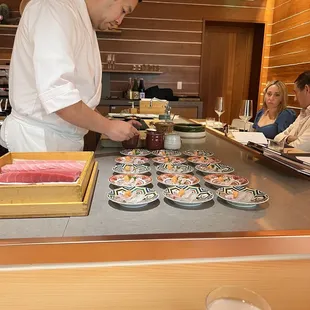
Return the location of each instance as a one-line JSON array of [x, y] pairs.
[[303, 80]]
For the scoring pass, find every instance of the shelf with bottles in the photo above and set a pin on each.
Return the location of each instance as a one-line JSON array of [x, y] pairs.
[[131, 71], [135, 89]]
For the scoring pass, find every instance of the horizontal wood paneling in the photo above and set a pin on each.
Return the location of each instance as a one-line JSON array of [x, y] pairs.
[[192, 11], [13, 4], [223, 3], [266, 49], [190, 75], [292, 33], [289, 44], [153, 47], [166, 33], [7, 39], [297, 44], [291, 21], [141, 58], [166, 24], [156, 34], [278, 3], [289, 9], [294, 58], [7, 30], [287, 74]]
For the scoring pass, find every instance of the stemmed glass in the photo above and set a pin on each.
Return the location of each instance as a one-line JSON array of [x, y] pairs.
[[246, 111], [219, 107]]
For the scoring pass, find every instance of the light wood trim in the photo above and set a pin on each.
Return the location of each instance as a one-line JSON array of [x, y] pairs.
[[284, 284], [112, 249]]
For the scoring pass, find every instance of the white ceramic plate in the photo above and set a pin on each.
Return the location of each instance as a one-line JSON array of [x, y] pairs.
[[174, 168], [170, 179], [201, 160], [188, 196], [169, 159], [130, 180], [135, 152], [198, 153], [214, 168], [241, 196], [133, 197], [132, 160], [163, 153], [131, 169], [225, 180]]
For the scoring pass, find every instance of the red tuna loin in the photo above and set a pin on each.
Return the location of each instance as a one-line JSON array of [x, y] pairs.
[[39, 176]]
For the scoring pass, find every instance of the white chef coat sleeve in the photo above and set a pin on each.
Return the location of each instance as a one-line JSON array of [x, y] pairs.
[[54, 36]]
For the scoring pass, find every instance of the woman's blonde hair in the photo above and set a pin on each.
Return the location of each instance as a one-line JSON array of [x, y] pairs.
[[283, 91]]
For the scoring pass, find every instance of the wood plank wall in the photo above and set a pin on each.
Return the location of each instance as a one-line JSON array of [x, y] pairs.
[[166, 33], [289, 43]]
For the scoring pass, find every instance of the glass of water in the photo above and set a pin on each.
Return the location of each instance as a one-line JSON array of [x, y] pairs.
[[235, 298], [276, 146], [246, 111], [210, 121]]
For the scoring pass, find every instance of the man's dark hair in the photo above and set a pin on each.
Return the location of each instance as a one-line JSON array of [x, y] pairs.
[[303, 80], [140, 0]]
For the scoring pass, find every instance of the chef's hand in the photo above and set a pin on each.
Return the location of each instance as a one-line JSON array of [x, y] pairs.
[[291, 139], [135, 123], [120, 130]]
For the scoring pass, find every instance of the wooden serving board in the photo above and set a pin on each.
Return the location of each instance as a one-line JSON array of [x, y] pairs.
[[43, 193], [56, 209]]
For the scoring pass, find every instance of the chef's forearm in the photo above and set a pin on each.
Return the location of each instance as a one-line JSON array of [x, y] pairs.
[[81, 115]]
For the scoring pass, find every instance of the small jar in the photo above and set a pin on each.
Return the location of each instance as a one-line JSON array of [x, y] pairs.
[[154, 140], [172, 142]]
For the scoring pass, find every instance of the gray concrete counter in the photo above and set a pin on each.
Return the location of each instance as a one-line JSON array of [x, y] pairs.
[[287, 209]]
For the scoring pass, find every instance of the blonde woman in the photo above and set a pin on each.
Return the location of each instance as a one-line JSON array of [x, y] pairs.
[[274, 117]]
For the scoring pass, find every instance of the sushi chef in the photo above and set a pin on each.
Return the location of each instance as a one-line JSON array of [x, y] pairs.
[[55, 75]]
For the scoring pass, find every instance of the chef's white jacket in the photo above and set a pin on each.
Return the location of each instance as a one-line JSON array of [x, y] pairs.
[[55, 63]]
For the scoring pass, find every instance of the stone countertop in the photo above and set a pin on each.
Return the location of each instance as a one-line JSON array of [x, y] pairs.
[[287, 209]]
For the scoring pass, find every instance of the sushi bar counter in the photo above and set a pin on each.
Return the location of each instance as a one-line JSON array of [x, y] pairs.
[[282, 198], [150, 246]]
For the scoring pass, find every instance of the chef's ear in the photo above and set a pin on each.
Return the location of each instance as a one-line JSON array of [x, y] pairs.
[[22, 6]]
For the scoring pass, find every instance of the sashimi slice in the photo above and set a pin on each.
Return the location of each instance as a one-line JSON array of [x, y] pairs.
[[76, 166], [39, 176], [41, 161]]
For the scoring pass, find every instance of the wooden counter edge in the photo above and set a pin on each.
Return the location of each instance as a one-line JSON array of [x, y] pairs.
[[115, 249]]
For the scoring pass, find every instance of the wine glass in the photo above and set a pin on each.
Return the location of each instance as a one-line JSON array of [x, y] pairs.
[[233, 297], [219, 107], [246, 111]]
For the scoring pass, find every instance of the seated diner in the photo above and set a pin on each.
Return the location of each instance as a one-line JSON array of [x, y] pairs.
[[298, 134], [274, 117]]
